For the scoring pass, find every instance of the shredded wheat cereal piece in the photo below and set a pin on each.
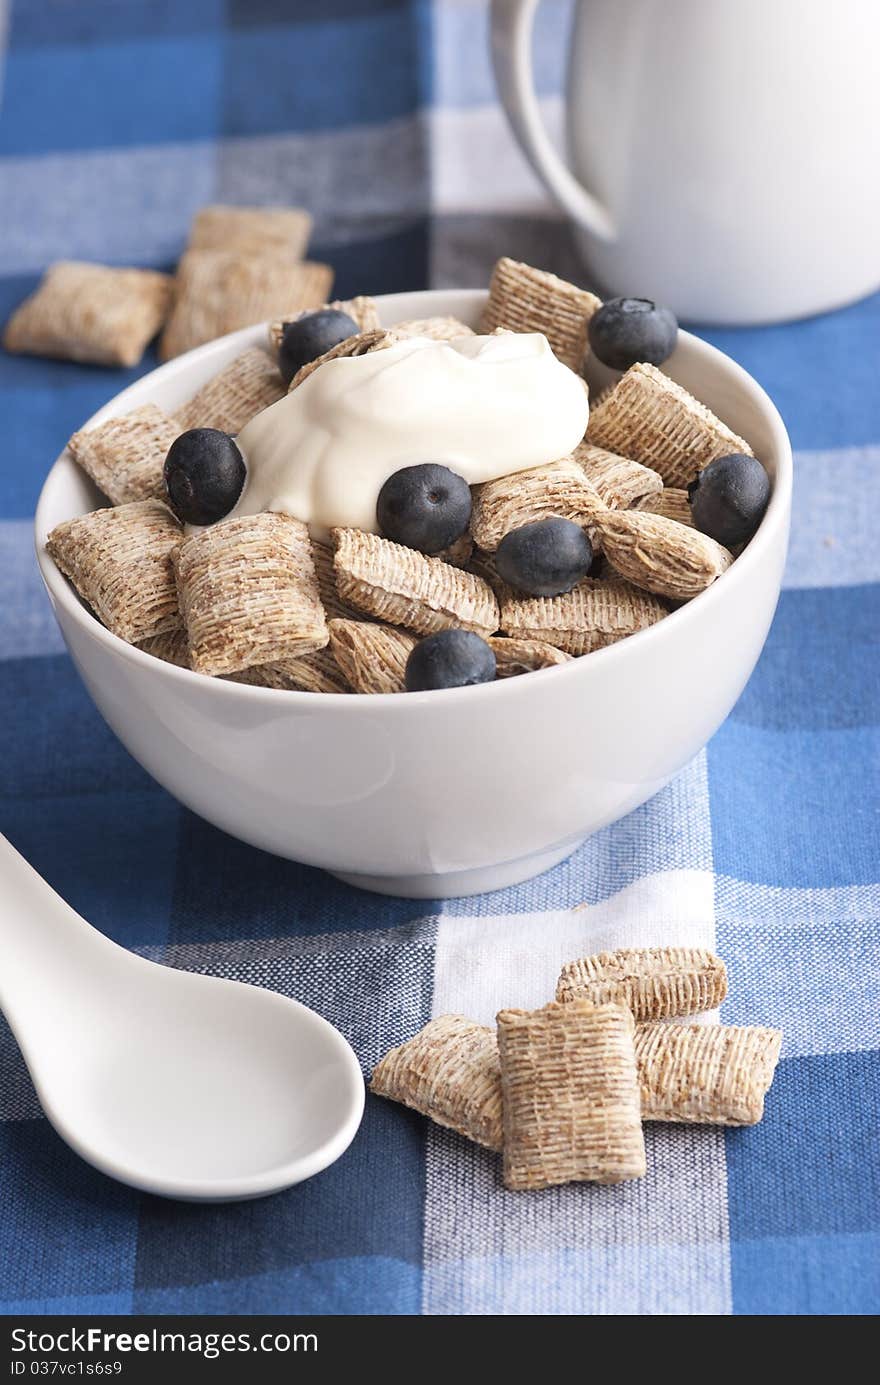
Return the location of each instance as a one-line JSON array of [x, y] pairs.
[[513, 657], [242, 389], [172, 647], [249, 594], [594, 614], [525, 299], [671, 504], [372, 656], [656, 983], [311, 673], [570, 1095], [559, 489], [709, 1074], [362, 310], [119, 561], [218, 291], [620, 483], [661, 555], [653, 420], [91, 312], [402, 587], [360, 345], [334, 607], [448, 1072], [282, 231], [125, 456], [436, 328]]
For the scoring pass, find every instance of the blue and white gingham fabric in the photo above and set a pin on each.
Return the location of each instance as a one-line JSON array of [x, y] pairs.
[[118, 120]]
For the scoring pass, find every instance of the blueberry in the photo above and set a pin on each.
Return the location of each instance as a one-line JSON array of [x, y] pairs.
[[310, 336], [425, 507], [545, 558], [449, 659], [626, 330], [729, 497], [204, 475]]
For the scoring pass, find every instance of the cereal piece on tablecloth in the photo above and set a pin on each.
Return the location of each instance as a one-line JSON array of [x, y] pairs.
[[402, 587], [436, 328], [709, 1074], [372, 656], [92, 313], [362, 310], [661, 555], [360, 345], [558, 490], [125, 456], [621, 484], [656, 983], [449, 1072], [592, 615], [120, 562], [249, 594], [570, 1095], [513, 657], [653, 420], [172, 647], [525, 299], [242, 389], [218, 291], [311, 673], [282, 231]]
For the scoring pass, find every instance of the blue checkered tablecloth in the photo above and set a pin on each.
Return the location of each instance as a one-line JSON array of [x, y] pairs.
[[119, 118]]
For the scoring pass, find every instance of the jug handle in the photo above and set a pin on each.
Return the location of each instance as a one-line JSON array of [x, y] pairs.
[[512, 22]]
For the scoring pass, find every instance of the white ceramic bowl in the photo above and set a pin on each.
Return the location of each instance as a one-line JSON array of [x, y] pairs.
[[440, 793]]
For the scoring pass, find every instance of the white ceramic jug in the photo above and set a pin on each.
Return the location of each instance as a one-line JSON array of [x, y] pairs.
[[724, 154]]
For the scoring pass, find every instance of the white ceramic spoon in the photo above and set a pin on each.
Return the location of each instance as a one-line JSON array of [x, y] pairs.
[[188, 1086]]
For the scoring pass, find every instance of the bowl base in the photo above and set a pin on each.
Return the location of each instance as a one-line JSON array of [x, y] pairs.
[[456, 883]]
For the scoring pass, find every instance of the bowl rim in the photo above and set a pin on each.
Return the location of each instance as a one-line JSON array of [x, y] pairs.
[[62, 593]]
